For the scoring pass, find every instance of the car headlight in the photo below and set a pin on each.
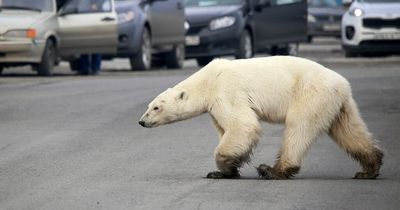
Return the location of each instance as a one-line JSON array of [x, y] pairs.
[[222, 22], [187, 26], [357, 12], [27, 33], [124, 17], [311, 18]]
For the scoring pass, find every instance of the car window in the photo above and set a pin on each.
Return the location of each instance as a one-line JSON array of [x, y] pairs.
[[206, 3], [324, 3], [88, 6], [40, 5]]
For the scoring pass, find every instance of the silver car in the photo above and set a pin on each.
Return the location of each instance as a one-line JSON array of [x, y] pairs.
[[39, 32]]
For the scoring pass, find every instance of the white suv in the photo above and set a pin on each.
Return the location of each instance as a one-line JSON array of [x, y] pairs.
[[371, 26]]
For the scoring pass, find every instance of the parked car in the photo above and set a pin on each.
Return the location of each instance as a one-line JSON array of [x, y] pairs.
[[243, 27], [371, 27], [38, 32], [324, 18], [151, 30]]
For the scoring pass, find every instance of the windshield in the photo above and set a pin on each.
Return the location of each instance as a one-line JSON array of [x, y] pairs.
[[207, 3], [379, 1], [36, 5], [324, 3]]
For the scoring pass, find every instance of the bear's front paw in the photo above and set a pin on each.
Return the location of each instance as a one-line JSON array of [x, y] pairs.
[[220, 175], [266, 172], [363, 175]]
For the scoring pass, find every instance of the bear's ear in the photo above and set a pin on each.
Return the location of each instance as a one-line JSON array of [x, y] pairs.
[[182, 95]]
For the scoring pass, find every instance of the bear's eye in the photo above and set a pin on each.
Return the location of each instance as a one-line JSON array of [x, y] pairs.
[[156, 108]]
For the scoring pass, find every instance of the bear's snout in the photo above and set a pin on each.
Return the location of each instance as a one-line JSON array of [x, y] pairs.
[[142, 123]]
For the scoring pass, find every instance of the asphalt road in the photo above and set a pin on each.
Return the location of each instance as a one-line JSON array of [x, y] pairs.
[[72, 142]]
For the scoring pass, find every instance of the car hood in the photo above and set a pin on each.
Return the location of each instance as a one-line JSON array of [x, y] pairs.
[[20, 20], [379, 9], [203, 15], [326, 11]]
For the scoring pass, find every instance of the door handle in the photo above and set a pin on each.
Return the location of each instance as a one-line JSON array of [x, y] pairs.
[[107, 19]]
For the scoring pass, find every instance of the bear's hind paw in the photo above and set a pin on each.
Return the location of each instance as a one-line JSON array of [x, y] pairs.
[[220, 175]]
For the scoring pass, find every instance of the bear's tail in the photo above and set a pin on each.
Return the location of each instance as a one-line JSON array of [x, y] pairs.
[[349, 131]]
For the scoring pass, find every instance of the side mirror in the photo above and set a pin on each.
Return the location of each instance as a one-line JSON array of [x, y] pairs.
[[260, 4]]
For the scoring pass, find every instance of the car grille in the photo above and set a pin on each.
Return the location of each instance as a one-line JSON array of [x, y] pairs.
[[381, 23], [391, 43]]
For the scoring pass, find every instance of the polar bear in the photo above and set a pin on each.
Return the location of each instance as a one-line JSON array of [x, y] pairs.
[[304, 95]]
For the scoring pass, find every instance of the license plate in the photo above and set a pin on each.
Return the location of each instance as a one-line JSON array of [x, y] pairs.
[[192, 40], [331, 27], [387, 36]]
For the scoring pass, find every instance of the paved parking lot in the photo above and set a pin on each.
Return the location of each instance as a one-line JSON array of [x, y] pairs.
[[73, 142]]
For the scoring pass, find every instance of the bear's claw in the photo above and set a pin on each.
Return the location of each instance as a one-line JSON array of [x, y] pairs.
[[220, 175], [363, 175], [267, 172]]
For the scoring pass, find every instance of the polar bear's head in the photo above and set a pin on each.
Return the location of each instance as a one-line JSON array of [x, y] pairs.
[[170, 106]]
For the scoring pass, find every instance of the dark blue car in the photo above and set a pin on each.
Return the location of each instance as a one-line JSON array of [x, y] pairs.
[[243, 27], [149, 30]]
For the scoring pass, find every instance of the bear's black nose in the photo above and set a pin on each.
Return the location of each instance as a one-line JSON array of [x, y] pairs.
[[141, 123]]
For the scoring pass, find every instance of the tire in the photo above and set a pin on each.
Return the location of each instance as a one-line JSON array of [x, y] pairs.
[[49, 57], [202, 61], [73, 65], [309, 38], [288, 49], [142, 59], [1, 70], [245, 46], [175, 58]]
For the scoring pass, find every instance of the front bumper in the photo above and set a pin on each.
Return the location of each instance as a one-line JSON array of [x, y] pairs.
[[220, 42], [21, 50], [378, 46]]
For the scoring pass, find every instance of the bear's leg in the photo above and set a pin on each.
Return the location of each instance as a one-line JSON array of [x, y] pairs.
[[309, 115], [350, 133], [297, 140], [237, 142]]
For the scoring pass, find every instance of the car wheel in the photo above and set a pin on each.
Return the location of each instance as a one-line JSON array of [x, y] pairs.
[[142, 59], [175, 58], [74, 65], [49, 57], [288, 49], [245, 46], [309, 39], [202, 61], [1, 70]]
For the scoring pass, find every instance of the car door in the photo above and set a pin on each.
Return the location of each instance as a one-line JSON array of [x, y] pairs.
[[168, 19], [88, 26], [280, 21]]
